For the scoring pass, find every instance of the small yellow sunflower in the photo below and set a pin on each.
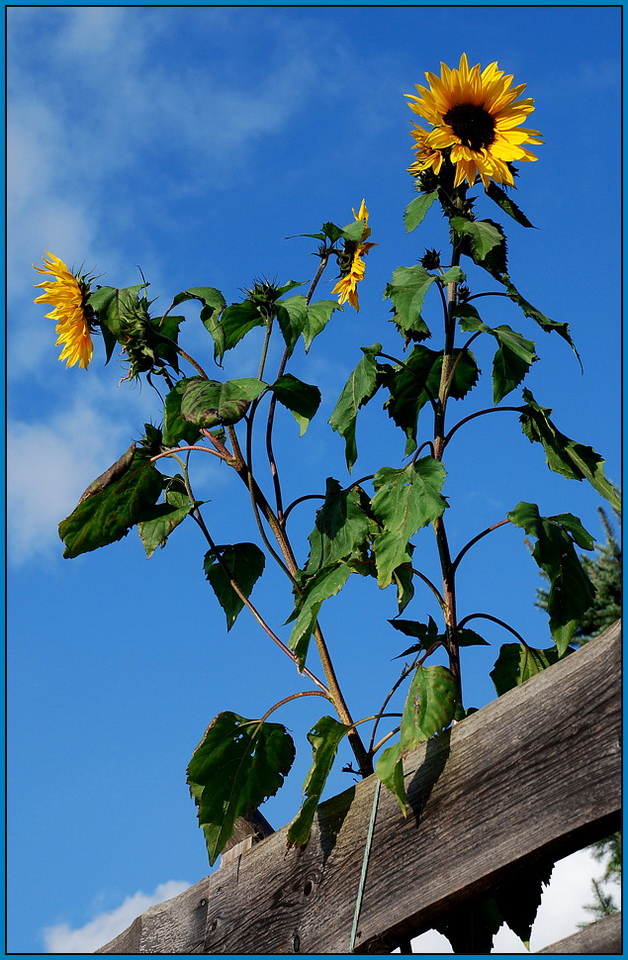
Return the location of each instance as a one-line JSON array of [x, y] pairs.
[[476, 118], [67, 293], [346, 288]]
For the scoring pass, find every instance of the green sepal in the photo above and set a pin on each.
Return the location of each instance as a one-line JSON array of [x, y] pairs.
[[325, 737], [127, 492], [301, 399], [361, 387], [564, 456], [315, 589], [207, 403], [407, 290], [571, 592], [406, 500], [518, 662], [241, 562], [237, 765], [163, 518], [416, 210]]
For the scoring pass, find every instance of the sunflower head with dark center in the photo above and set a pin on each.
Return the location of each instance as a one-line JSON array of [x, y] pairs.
[[473, 125]]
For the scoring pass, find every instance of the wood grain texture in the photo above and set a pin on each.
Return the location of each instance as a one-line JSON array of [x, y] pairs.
[[602, 937], [528, 779]]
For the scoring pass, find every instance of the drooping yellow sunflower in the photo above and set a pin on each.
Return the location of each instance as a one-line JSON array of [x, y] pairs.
[[353, 272], [67, 293], [476, 118]]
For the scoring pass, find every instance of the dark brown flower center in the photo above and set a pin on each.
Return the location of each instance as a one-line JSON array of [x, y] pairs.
[[474, 127]]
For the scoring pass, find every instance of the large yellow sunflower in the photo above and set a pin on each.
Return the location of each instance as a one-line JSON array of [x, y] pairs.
[[346, 288], [476, 117], [67, 293]]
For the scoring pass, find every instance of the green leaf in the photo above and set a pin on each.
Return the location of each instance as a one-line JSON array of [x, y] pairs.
[[406, 500], [361, 387], [453, 275], [410, 386], [513, 358], [562, 329], [341, 527], [567, 457], [292, 318], [175, 428], [407, 291], [325, 736], [237, 320], [483, 235], [417, 209], [430, 706], [353, 231], [241, 562], [317, 318], [207, 403], [116, 470], [301, 399], [213, 305], [507, 204], [517, 662], [389, 769], [107, 515], [519, 897], [237, 765], [316, 589], [571, 592], [164, 517]]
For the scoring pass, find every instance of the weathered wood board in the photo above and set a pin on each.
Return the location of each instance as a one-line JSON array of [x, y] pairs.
[[530, 778]]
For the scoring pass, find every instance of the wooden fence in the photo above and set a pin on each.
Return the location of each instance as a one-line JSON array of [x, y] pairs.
[[527, 780]]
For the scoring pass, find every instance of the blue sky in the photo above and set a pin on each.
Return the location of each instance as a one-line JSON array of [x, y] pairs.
[[190, 143]]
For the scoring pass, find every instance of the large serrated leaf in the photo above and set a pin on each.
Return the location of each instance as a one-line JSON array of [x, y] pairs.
[[341, 527], [389, 769], [514, 357], [571, 592], [237, 320], [241, 562], [213, 305], [406, 500], [417, 208], [530, 311], [508, 205], [238, 764], [318, 316], [175, 427], [430, 706], [207, 403], [567, 457], [483, 235], [325, 736], [361, 387], [108, 515], [292, 318], [407, 290], [301, 399], [163, 518], [517, 662], [316, 589]]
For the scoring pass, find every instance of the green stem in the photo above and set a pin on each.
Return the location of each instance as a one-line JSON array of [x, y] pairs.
[[475, 540], [479, 413], [502, 623]]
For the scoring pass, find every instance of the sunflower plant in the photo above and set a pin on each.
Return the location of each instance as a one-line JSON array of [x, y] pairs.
[[366, 527]]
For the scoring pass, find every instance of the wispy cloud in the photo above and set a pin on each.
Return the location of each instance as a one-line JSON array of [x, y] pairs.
[[62, 938]]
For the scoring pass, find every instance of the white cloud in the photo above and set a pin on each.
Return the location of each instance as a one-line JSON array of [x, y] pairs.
[[561, 910], [62, 938], [49, 464]]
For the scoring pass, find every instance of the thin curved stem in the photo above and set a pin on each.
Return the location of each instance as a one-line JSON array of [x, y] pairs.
[[479, 413], [295, 503], [502, 623], [193, 446], [293, 696], [489, 293], [380, 743], [468, 546]]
